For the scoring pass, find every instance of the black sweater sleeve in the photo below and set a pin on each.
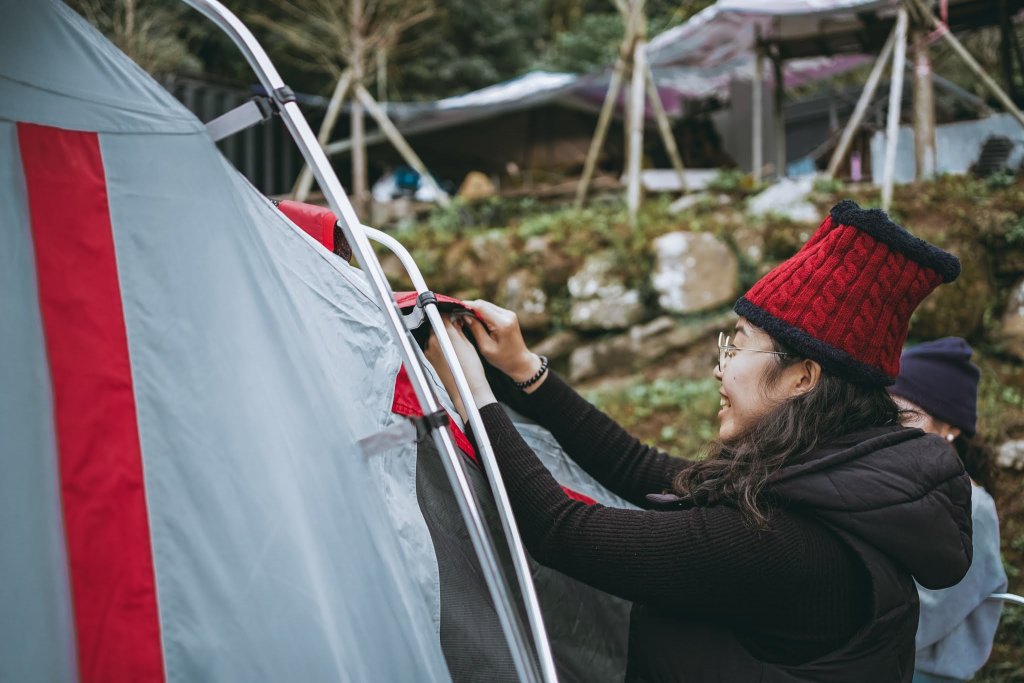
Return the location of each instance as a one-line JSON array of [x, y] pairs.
[[703, 561], [600, 445]]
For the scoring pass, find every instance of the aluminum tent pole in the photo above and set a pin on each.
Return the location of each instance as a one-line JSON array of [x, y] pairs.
[[487, 455], [314, 155]]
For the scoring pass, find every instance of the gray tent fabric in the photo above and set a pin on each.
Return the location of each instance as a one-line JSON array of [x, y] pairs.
[[258, 361], [274, 556], [36, 634]]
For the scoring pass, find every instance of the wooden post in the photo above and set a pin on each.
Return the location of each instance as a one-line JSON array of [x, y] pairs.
[[780, 115], [305, 180], [664, 127], [924, 109], [360, 188], [636, 131], [966, 57], [757, 117], [862, 106], [382, 78], [892, 127], [603, 121], [395, 137]]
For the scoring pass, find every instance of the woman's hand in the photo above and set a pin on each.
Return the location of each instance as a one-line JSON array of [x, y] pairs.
[[471, 367], [500, 340]]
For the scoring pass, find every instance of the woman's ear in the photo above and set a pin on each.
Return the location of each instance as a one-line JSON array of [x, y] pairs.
[[805, 376]]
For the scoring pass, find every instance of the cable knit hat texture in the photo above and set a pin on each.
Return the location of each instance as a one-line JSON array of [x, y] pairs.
[[846, 297], [939, 377]]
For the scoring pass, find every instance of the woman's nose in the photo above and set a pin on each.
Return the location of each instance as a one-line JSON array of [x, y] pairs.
[[717, 372]]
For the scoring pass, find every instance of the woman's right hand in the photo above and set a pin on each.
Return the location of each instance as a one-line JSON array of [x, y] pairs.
[[499, 340]]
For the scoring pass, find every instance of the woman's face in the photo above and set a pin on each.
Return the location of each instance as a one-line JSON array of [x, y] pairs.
[[744, 398], [913, 415]]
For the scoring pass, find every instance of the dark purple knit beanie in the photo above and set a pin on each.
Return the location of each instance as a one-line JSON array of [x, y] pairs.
[[939, 377]]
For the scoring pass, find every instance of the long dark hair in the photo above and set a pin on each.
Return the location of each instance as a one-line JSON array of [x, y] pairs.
[[736, 472]]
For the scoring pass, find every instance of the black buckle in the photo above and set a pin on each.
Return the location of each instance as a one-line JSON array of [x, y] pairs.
[[428, 423], [284, 95], [425, 298]]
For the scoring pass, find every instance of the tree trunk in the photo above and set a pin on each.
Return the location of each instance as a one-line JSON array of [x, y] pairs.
[[924, 109], [359, 183]]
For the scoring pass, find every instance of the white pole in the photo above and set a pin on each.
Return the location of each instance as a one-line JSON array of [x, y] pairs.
[[862, 106], [636, 131], [899, 61]]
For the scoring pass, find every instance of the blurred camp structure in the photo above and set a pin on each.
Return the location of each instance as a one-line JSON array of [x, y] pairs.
[[772, 89]]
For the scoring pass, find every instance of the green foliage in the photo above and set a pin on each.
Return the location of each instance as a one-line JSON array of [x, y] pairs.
[[826, 185], [593, 44], [468, 46], [1000, 179], [733, 181], [682, 413], [158, 36]]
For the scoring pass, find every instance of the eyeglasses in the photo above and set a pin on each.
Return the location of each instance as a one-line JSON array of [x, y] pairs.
[[726, 350]]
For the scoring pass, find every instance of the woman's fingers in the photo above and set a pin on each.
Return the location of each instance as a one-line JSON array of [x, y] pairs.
[[484, 341]]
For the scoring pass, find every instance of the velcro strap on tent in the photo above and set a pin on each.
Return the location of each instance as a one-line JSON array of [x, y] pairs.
[[414, 428]]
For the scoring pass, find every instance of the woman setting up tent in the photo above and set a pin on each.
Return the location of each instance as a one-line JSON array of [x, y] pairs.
[[789, 553]]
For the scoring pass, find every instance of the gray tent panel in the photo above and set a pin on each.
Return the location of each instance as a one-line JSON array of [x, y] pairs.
[[36, 631], [57, 70], [253, 384]]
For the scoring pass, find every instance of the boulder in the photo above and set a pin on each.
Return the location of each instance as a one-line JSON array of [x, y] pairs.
[[546, 256], [476, 186], [750, 243], [1011, 331], [645, 345], [1010, 455], [600, 358], [601, 300], [479, 263], [522, 292], [558, 345], [786, 198], [693, 271]]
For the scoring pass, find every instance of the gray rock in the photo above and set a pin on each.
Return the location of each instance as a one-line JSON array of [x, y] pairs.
[[787, 198], [1010, 455], [600, 358], [600, 298], [558, 345], [522, 292], [693, 271], [1011, 331], [644, 345], [696, 199], [750, 243]]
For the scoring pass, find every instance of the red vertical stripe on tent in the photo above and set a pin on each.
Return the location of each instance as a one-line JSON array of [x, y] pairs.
[[103, 495]]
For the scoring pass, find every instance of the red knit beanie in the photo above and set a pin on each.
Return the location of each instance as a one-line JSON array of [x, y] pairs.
[[846, 297]]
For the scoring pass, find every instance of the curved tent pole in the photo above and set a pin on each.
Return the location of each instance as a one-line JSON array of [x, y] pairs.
[[302, 134], [1008, 598], [487, 455]]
